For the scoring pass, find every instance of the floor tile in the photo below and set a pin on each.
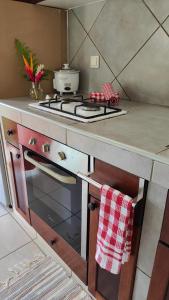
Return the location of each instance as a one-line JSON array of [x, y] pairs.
[[17, 259], [12, 236], [3, 211]]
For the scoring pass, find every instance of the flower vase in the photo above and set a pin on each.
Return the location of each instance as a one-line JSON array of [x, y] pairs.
[[36, 92]]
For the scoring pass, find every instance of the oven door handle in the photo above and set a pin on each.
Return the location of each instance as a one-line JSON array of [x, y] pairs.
[[61, 178]]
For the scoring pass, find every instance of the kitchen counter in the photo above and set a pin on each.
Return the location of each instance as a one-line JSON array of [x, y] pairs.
[[142, 133], [135, 142]]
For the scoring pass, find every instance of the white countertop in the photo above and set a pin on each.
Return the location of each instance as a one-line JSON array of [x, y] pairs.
[[144, 130]]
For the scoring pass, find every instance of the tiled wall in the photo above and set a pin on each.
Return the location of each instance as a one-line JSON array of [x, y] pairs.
[[132, 39]]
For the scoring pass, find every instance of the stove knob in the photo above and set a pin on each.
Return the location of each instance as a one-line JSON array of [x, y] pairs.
[[32, 141], [62, 155], [45, 148], [10, 132]]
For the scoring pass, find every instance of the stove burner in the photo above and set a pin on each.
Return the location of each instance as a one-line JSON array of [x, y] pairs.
[[89, 107], [80, 108]]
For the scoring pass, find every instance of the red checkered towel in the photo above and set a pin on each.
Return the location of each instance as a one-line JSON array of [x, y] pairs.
[[97, 96], [115, 230], [110, 94]]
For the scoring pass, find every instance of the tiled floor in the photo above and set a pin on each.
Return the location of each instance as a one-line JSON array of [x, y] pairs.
[[16, 247], [2, 211]]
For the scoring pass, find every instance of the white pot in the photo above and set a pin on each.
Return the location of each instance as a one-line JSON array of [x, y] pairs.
[[66, 80]]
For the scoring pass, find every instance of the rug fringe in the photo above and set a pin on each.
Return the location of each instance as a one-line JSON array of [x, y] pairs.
[[15, 274]]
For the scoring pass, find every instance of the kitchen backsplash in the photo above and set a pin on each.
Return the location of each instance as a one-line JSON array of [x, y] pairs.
[[132, 39]]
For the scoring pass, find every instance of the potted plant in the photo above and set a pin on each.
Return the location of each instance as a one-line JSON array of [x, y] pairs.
[[33, 71]]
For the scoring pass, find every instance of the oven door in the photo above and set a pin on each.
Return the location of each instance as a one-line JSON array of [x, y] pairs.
[[55, 196]]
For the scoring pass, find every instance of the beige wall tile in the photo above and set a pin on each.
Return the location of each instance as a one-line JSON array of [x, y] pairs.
[[146, 78], [160, 8]]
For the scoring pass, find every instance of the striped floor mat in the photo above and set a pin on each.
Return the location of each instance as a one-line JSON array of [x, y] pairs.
[[45, 280]]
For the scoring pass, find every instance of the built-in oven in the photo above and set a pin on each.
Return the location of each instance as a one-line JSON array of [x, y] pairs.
[[57, 197]]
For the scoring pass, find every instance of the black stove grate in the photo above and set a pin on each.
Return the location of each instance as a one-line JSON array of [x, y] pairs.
[[85, 102]]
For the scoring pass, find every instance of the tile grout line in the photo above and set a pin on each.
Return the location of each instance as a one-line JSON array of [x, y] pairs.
[[88, 35], [149, 9], [87, 32], [163, 26], [4, 214], [15, 250], [138, 50], [160, 23], [160, 26], [11, 214], [73, 57], [94, 20], [143, 272], [91, 39]]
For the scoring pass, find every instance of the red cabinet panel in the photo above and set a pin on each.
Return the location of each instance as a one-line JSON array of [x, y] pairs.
[[102, 284], [165, 227], [17, 171], [10, 132], [159, 284]]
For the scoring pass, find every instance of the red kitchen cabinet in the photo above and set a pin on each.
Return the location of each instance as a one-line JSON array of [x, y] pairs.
[[165, 226], [15, 167], [18, 176], [159, 285], [10, 132], [102, 284]]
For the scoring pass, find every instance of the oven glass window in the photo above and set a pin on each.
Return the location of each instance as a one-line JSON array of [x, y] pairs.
[[58, 204]]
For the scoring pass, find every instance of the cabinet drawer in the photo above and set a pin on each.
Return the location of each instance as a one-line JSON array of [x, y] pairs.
[[10, 131], [165, 226], [58, 244]]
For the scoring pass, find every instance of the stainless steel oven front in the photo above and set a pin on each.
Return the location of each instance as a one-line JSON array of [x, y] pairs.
[[55, 193]]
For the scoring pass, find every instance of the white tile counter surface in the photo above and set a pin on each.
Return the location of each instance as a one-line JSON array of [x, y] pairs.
[[132, 141]]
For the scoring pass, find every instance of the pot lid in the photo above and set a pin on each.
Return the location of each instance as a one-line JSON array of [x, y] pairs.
[[66, 69]]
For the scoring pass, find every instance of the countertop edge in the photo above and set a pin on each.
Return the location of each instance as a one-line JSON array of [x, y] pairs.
[[153, 156]]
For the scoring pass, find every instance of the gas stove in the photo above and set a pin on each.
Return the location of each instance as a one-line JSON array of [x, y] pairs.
[[79, 108]]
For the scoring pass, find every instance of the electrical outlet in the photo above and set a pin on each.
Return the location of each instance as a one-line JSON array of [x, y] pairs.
[[95, 62]]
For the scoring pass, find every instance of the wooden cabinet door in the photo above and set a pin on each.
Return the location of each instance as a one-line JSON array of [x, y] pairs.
[[164, 237], [102, 284], [17, 172], [159, 285], [10, 131]]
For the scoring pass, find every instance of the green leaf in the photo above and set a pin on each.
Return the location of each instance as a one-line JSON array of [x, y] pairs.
[[23, 50]]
